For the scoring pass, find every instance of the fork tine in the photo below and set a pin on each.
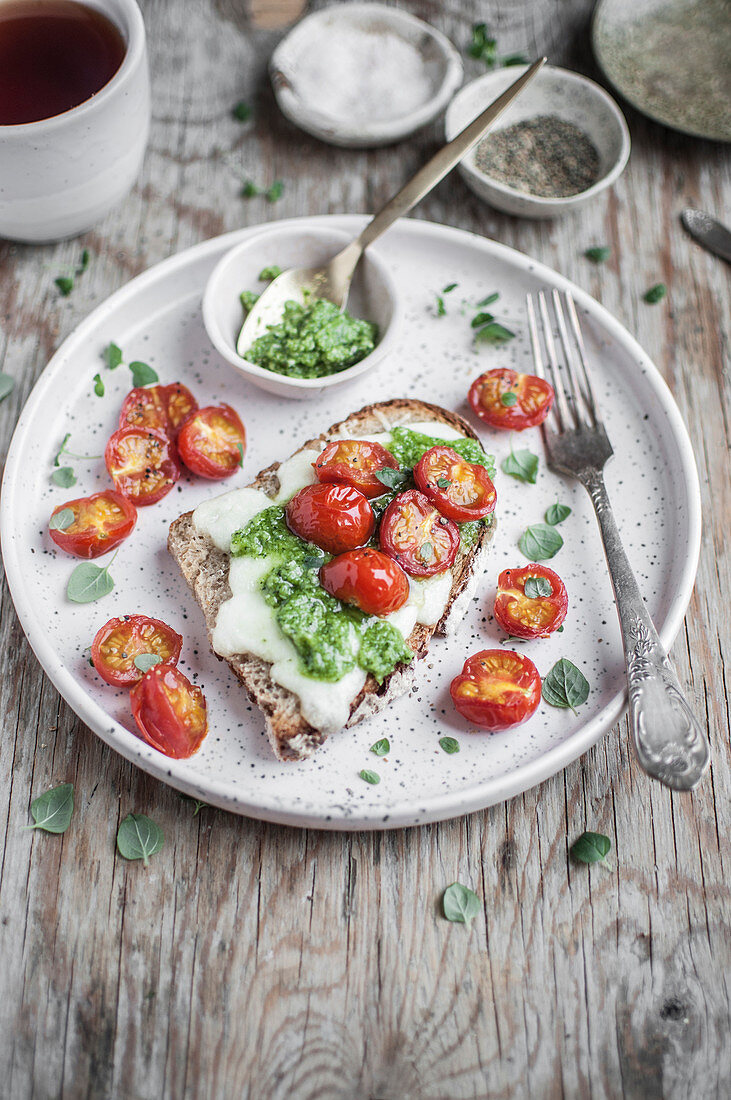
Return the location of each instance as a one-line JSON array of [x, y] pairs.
[[576, 397], [589, 395], [536, 349], [564, 414]]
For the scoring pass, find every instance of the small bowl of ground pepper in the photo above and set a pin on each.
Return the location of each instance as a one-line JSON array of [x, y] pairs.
[[561, 142]]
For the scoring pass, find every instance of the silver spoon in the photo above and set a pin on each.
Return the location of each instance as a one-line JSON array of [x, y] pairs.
[[333, 280]]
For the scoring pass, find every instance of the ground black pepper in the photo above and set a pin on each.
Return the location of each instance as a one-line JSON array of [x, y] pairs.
[[543, 156]]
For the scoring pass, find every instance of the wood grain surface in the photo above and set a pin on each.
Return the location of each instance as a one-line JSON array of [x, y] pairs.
[[255, 961]]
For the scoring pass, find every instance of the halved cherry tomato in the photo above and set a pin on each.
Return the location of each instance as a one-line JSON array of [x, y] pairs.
[[497, 689], [212, 442], [142, 464], [417, 535], [162, 408], [334, 517], [169, 711], [355, 462], [530, 616], [528, 406], [367, 579], [100, 523], [461, 490], [119, 641]]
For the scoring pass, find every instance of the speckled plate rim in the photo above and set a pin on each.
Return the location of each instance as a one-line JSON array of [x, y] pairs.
[[638, 103], [398, 814]]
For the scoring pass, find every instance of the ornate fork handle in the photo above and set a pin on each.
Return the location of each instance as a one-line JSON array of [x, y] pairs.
[[670, 743]]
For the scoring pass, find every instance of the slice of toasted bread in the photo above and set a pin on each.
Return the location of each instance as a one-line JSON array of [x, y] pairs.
[[205, 568]]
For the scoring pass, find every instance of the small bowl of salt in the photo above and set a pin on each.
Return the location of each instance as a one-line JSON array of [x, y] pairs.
[[562, 142], [361, 75]]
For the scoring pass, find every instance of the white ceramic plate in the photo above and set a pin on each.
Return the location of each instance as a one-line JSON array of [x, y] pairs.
[[652, 481]]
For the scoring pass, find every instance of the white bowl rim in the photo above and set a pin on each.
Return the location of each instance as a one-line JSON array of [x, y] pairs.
[[545, 200], [228, 351], [318, 123]]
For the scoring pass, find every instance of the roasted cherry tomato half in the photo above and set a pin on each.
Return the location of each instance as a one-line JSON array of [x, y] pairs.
[[417, 535], [535, 614], [505, 399], [212, 442], [119, 641], [100, 523], [461, 490], [169, 711], [162, 408], [334, 517], [355, 462], [497, 689], [142, 464], [367, 579]]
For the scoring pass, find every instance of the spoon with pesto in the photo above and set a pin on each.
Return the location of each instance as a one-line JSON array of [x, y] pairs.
[[331, 282]]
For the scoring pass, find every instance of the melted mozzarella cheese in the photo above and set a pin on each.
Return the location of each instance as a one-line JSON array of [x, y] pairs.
[[220, 517], [295, 473]]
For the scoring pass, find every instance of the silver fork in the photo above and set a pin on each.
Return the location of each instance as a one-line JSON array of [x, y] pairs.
[[670, 743]]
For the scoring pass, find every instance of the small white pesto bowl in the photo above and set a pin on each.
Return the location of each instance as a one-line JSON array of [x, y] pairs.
[[373, 297], [328, 50], [554, 91]]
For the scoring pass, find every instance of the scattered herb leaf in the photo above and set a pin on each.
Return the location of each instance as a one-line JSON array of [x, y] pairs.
[[514, 59], [565, 686], [494, 333], [599, 254], [112, 356], [98, 385], [250, 190], [482, 46], [275, 192], [198, 805], [591, 848], [52, 811], [381, 747], [441, 308], [488, 301], [509, 398], [540, 542], [268, 273], [537, 587], [59, 521], [138, 837], [241, 111], [557, 513], [460, 904], [89, 582], [84, 261], [64, 477], [145, 661], [6, 385], [482, 318], [240, 447], [392, 479], [443, 482], [450, 287], [655, 294], [62, 448], [369, 776], [65, 284], [449, 745], [426, 551], [521, 464], [142, 375]]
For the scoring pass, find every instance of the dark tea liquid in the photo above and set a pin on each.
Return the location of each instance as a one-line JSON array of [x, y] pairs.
[[54, 54]]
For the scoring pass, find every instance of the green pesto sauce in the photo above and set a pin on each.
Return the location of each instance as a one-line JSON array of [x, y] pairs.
[[331, 637], [313, 339]]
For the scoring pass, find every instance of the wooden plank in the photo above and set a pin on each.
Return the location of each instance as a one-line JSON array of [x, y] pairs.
[[256, 961]]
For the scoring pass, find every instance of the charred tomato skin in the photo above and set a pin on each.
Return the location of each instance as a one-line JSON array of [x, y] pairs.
[[120, 640], [533, 399], [355, 462], [170, 712], [368, 579], [415, 533], [212, 442], [101, 522], [497, 689], [461, 490], [142, 463], [522, 616], [334, 517]]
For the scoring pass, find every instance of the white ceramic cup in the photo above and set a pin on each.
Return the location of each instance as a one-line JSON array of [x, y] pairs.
[[60, 175]]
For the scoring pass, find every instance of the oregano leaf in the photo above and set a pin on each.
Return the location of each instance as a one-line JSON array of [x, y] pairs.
[[539, 542], [522, 465], [557, 513], [89, 582], [565, 686], [449, 745], [64, 477], [60, 520], [145, 661], [537, 587], [112, 356], [382, 747], [591, 848], [138, 837], [142, 374], [460, 904], [369, 776], [7, 384], [98, 385], [52, 811]]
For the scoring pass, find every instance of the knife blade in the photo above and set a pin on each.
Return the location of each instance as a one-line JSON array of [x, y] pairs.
[[708, 232]]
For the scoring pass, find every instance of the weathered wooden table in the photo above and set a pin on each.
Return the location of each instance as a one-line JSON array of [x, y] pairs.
[[255, 961]]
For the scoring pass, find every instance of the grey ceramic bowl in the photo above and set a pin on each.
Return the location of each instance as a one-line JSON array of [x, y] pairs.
[[553, 91]]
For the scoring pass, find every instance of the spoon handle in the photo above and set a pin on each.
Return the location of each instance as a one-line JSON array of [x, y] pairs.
[[443, 161]]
